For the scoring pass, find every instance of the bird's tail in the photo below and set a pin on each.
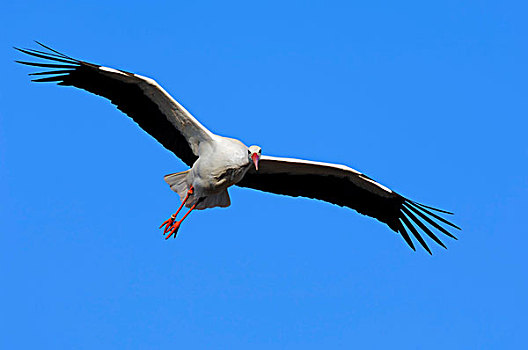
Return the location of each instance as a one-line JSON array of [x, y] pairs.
[[178, 183]]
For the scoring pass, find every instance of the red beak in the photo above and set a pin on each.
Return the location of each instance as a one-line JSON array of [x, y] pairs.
[[255, 158]]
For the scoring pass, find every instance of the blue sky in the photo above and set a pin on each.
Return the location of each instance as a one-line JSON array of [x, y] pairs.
[[427, 98]]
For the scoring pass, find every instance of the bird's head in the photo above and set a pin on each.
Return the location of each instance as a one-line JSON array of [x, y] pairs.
[[254, 153]]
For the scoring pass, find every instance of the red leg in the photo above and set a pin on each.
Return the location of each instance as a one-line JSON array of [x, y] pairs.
[[176, 226], [169, 222]]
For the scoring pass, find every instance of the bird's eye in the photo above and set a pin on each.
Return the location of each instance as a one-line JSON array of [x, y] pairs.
[[249, 152]]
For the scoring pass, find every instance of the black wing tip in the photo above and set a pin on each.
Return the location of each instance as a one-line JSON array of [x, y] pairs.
[[55, 78], [50, 54], [52, 50], [403, 232], [416, 207], [47, 65], [44, 46], [415, 233], [413, 216], [422, 226], [432, 208], [59, 65]]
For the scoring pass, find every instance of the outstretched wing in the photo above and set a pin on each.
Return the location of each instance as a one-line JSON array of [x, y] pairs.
[[344, 186], [141, 98]]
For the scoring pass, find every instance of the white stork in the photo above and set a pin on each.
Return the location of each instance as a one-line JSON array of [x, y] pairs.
[[219, 162]]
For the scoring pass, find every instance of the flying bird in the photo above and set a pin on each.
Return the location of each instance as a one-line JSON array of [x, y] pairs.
[[218, 162]]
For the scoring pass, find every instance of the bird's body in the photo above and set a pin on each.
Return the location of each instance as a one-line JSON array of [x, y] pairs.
[[217, 162], [221, 164]]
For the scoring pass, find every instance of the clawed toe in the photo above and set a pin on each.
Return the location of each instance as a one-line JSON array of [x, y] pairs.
[[173, 229], [172, 226]]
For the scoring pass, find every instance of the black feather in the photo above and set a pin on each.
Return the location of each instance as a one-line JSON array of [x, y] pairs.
[[57, 52], [45, 65], [430, 221], [423, 227], [50, 79], [50, 54], [435, 216], [432, 208], [53, 72], [415, 233], [405, 235], [45, 56]]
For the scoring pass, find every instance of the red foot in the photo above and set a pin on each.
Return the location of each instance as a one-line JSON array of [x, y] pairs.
[[169, 223], [172, 226], [174, 229]]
